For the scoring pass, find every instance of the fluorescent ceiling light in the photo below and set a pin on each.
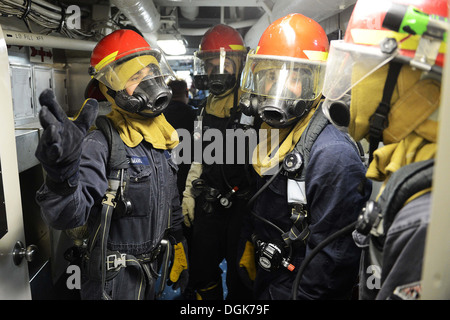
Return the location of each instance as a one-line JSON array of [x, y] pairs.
[[171, 45]]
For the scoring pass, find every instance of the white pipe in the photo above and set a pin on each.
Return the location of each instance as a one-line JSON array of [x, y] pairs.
[[43, 3], [189, 13], [20, 38], [142, 14], [201, 31], [41, 10]]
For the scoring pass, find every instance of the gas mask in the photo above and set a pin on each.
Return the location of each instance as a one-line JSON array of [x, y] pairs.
[[217, 84], [149, 98], [216, 71], [277, 113], [137, 83], [280, 90]]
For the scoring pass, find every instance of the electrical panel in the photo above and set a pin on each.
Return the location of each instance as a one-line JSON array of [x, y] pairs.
[[21, 89]]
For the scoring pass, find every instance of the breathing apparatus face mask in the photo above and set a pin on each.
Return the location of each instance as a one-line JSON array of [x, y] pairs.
[[148, 98], [280, 89], [138, 83], [216, 71]]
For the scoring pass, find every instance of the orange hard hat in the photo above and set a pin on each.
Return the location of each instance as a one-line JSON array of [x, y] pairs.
[[283, 77], [294, 35]]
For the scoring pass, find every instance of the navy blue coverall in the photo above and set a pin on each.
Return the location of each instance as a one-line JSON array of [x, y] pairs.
[[336, 191], [153, 193]]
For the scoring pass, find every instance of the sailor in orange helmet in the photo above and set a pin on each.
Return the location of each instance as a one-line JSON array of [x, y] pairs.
[[311, 178]]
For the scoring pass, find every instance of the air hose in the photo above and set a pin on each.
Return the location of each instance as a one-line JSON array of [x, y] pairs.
[[347, 229]]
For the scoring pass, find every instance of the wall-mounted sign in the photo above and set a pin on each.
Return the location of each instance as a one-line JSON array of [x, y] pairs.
[[41, 55]]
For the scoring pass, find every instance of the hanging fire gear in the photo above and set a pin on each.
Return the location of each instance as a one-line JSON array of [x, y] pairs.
[[385, 77], [417, 39]]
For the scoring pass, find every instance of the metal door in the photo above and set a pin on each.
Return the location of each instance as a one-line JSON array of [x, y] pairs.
[[14, 278], [42, 80]]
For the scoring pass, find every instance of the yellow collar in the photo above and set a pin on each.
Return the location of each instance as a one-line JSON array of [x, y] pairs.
[[275, 144], [133, 129], [220, 106]]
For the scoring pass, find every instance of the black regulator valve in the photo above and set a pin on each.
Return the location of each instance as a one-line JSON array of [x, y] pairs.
[[224, 200], [248, 104], [270, 256], [369, 218], [293, 161]]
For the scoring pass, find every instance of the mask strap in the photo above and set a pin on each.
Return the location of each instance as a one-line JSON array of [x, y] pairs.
[[379, 120]]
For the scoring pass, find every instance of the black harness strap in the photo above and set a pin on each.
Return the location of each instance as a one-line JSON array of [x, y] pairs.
[[315, 126], [117, 163], [117, 156], [299, 212], [379, 120]]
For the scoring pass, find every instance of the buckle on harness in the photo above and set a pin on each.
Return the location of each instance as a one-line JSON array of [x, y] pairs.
[[115, 261]]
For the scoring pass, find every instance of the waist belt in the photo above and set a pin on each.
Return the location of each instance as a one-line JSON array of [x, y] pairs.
[[116, 260]]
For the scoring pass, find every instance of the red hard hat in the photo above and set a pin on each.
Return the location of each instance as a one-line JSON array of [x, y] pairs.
[[113, 50], [222, 36], [115, 46], [365, 25]]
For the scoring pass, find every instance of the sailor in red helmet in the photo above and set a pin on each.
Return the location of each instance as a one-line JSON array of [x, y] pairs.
[[388, 70], [119, 182], [214, 200]]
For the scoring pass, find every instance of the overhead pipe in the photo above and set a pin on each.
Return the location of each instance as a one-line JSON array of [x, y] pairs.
[[201, 31], [143, 15], [20, 38], [316, 10]]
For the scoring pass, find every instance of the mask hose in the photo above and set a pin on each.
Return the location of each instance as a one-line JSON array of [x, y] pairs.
[[347, 229], [256, 195]]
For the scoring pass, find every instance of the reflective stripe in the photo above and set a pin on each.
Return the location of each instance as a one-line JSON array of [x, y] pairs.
[[316, 55], [106, 60], [237, 47]]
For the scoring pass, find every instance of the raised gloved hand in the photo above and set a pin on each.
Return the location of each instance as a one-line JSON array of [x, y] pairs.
[[179, 275], [247, 265], [188, 203], [59, 148]]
